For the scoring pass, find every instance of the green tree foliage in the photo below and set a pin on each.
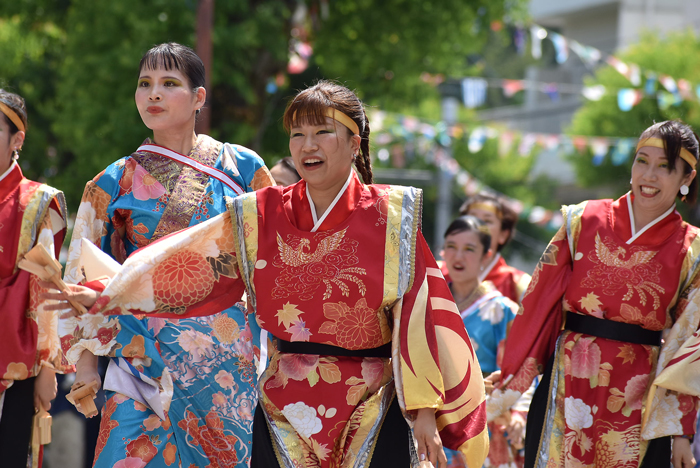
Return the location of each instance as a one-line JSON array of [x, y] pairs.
[[75, 62], [677, 55]]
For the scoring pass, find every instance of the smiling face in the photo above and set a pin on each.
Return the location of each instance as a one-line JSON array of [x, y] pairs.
[[654, 186], [463, 254], [8, 143], [165, 100], [322, 153]]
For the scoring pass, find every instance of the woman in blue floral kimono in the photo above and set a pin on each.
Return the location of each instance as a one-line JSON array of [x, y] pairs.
[[487, 315], [179, 392]]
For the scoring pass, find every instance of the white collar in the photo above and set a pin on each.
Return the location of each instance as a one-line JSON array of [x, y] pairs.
[[318, 221], [489, 267], [635, 234], [7, 172]]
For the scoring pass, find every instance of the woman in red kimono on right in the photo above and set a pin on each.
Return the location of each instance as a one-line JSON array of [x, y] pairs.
[[619, 275]]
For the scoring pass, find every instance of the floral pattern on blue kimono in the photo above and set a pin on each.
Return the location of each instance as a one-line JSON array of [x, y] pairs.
[[198, 373], [488, 319]]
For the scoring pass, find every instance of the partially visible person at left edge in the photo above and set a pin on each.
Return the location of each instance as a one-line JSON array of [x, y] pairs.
[[30, 352]]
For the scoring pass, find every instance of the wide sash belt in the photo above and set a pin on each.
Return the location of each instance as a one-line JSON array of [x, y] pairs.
[[617, 331], [304, 347]]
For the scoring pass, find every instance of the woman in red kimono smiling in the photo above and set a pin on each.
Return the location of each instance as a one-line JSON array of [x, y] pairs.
[[619, 275], [30, 351], [369, 340]]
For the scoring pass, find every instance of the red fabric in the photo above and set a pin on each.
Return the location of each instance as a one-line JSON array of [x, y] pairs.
[[506, 279], [298, 208], [18, 334], [95, 285], [11, 212], [610, 279]]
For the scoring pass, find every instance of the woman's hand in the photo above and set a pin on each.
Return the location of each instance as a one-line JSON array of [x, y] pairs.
[[75, 292], [682, 453], [45, 388], [515, 429], [492, 381], [429, 443], [86, 369]]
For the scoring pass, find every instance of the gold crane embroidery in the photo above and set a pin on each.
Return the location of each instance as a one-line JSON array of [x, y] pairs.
[[295, 257], [638, 274], [303, 271]]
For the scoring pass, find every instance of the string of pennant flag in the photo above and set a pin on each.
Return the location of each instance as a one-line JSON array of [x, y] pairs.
[[395, 128], [645, 84], [474, 91], [393, 131]]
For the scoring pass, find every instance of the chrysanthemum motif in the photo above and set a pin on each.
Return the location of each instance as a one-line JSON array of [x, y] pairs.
[[355, 327], [225, 329], [183, 279]]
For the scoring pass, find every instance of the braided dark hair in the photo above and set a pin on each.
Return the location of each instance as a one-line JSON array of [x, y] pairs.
[[309, 106]]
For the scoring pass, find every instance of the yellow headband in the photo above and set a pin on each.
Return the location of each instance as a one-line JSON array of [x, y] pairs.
[[659, 143], [486, 207], [338, 116], [12, 115]]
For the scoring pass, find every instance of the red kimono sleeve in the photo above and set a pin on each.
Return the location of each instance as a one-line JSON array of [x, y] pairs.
[[18, 334], [438, 367], [533, 336]]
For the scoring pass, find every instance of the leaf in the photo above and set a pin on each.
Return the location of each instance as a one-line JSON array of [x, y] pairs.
[[585, 443], [627, 411], [354, 381], [593, 381], [606, 366], [567, 364], [627, 354], [288, 314], [590, 302], [299, 331], [330, 373], [334, 311], [321, 450], [223, 265], [312, 378], [615, 403], [141, 228], [355, 394], [329, 327], [279, 380], [603, 378]]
